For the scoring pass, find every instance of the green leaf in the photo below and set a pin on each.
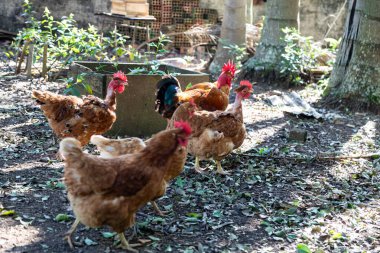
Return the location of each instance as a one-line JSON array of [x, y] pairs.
[[180, 182], [108, 234], [269, 230], [189, 85], [7, 213], [89, 242], [194, 215], [88, 88], [217, 213], [131, 56], [291, 210], [154, 238], [303, 248], [62, 217], [75, 50], [336, 236]]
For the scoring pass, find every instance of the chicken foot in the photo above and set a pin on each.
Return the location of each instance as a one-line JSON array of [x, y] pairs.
[[125, 245], [219, 169], [197, 167], [158, 210], [167, 124], [70, 232]]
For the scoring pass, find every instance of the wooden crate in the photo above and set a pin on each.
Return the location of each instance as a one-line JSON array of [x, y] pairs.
[[118, 7], [136, 1], [136, 8]]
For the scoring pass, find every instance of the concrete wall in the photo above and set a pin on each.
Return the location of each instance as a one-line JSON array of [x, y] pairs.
[[83, 11], [317, 16]]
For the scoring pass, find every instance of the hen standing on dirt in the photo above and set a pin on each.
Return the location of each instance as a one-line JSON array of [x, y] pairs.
[[110, 191], [70, 116], [112, 148], [215, 134]]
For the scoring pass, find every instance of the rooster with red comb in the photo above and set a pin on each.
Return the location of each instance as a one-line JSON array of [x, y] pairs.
[[208, 96], [70, 116]]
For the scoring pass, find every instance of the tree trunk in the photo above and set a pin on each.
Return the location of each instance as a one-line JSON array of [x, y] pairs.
[[233, 32], [249, 14], [279, 14], [356, 74]]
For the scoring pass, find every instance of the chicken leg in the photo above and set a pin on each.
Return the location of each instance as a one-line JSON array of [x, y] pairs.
[[70, 232], [167, 124], [125, 245], [197, 167], [158, 210], [219, 169]]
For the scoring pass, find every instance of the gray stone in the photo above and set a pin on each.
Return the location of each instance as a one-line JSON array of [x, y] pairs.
[[297, 134]]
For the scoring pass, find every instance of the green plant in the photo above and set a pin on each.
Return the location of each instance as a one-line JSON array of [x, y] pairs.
[[66, 42], [159, 46], [72, 83], [153, 69], [235, 52], [299, 54]]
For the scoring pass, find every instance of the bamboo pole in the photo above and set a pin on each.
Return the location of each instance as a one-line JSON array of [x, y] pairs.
[[29, 62], [21, 59], [44, 60]]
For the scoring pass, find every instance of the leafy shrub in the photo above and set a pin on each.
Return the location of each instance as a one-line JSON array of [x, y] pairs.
[[67, 42], [302, 54], [299, 56]]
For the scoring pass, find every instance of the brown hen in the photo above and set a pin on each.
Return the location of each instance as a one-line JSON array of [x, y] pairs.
[[215, 134], [70, 116], [112, 148], [110, 191]]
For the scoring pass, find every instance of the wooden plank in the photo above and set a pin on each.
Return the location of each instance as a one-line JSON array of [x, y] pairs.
[[7, 32], [136, 1], [137, 9], [118, 7]]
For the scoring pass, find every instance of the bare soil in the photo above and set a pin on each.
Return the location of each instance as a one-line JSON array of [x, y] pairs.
[[276, 197]]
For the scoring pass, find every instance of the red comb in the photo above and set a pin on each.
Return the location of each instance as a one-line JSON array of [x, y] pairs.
[[192, 103], [184, 126], [229, 67], [120, 75], [246, 83]]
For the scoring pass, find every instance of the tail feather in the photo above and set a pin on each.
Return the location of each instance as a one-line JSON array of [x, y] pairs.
[[40, 96], [98, 140], [45, 96], [162, 86], [70, 148]]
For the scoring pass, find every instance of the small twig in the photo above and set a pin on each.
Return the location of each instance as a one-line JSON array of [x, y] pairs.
[[222, 225]]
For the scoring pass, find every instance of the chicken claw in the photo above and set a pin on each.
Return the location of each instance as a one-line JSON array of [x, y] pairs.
[[158, 210], [70, 232], [125, 245], [220, 170], [197, 167]]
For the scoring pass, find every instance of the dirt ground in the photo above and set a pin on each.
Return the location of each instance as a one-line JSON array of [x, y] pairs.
[[276, 197]]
